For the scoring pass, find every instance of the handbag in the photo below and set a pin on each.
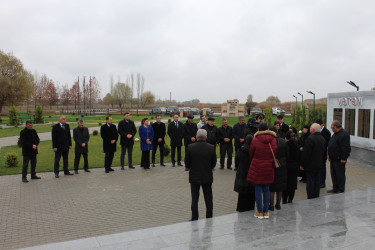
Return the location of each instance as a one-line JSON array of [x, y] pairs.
[[275, 161]]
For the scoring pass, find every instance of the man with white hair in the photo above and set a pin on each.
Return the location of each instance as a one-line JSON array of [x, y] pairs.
[[61, 144], [201, 160], [311, 160]]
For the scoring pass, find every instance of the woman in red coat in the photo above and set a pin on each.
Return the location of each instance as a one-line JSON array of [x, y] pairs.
[[261, 172]]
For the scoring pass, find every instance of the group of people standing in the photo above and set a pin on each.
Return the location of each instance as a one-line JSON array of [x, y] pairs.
[[271, 159]]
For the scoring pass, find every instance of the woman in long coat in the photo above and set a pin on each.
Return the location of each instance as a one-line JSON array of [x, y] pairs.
[[261, 172], [146, 132], [245, 190], [292, 166], [279, 183]]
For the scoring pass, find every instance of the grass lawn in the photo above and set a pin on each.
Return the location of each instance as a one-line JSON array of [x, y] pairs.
[[39, 128]]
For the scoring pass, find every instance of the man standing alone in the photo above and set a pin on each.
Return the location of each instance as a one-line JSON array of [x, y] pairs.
[[190, 131], [81, 137], [61, 143], [158, 140], [176, 133], [311, 160], [201, 160], [109, 135], [338, 152], [30, 141], [127, 130]]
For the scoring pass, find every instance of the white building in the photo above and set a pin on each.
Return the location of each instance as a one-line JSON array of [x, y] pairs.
[[356, 111]]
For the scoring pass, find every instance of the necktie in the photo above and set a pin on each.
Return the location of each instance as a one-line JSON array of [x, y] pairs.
[[63, 126], [176, 124]]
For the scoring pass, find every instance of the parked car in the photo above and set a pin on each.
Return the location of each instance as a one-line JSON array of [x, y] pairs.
[[187, 111], [155, 111], [278, 111], [208, 111], [172, 110], [163, 110], [195, 111], [256, 111]]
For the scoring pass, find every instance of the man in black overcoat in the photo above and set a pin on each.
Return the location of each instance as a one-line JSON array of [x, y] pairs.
[[30, 141], [338, 151], [158, 140], [201, 160], [127, 130], [81, 137], [225, 133], [327, 136], [212, 132], [176, 133], [239, 138], [61, 144], [190, 131], [110, 136], [311, 160]]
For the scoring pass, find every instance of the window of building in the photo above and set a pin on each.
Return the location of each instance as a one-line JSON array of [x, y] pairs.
[[350, 121], [364, 123], [337, 115]]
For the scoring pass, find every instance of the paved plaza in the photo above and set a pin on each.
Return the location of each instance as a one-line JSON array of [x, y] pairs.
[[95, 204]]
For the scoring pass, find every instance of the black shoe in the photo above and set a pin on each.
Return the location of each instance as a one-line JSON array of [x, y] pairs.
[[186, 169], [162, 164], [278, 207], [25, 180], [193, 219], [146, 168], [221, 167], [68, 173], [122, 168], [322, 186], [173, 165], [271, 208], [179, 164], [56, 175], [35, 177], [111, 169], [339, 192], [235, 169], [107, 171], [76, 171], [229, 168], [332, 191], [87, 171], [131, 166], [153, 165]]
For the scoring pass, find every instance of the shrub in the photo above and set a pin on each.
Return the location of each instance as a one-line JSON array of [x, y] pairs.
[[82, 116], [13, 117], [100, 124], [95, 132], [167, 149], [1, 120], [77, 119], [152, 118], [268, 116], [11, 160], [38, 117], [169, 120], [49, 116]]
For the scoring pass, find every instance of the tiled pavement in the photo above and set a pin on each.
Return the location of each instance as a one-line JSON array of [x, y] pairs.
[[96, 204]]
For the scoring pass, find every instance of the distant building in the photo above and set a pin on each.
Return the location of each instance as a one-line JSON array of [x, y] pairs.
[[232, 108]]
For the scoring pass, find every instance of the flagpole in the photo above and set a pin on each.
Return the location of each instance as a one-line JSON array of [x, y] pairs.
[[79, 111], [90, 97], [84, 106]]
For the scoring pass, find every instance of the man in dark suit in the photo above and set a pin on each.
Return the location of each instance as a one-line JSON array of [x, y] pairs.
[[158, 140], [127, 130], [61, 144], [239, 138], [81, 137], [190, 131], [284, 128], [338, 152], [30, 141], [110, 136], [225, 133], [311, 160], [327, 136], [201, 160], [176, 133]]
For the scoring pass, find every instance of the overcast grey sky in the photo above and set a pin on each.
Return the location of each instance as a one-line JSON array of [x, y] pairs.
[[210, 50]]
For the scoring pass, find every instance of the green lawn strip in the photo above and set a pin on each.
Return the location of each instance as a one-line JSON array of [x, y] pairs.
[[5, 132]]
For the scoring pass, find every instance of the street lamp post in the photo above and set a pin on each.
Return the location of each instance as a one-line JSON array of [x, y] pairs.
[[310, 92], [303, 109], [296, 101], [353, 84]]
